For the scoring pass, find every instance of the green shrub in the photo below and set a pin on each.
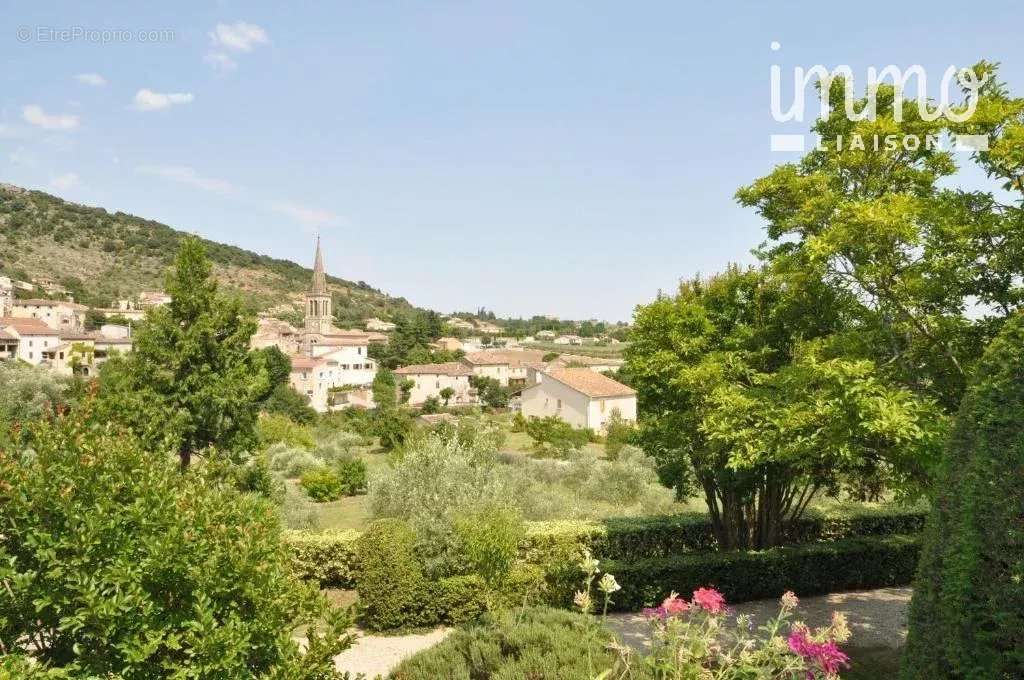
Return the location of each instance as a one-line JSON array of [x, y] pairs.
[[518, 422], [329, 558], [352, 473], [290, 461], [322, 484], [275, 427], [553, 436], [391, 583], [816, 568], [298, 511], [539, 643], [618, 433], [115, 563], [967, 613], [489, 539], [338, 446]]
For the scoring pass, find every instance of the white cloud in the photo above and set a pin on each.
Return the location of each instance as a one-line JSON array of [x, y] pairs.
[[94, 79], [238, 37], [186, 175], [220, 61], [148, 100], [65, 181], [36, 116], [311, 217]]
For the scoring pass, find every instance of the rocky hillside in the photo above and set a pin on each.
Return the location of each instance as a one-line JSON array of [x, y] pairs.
[[101, 256]]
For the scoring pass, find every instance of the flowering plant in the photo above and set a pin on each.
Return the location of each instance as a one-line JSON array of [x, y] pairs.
[[702, 639]]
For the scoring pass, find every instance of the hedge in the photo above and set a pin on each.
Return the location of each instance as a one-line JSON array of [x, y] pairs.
[[329, 557], [811, 569]]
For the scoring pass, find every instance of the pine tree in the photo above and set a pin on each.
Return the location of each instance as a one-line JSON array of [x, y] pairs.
[[967, 613], [190, 382]]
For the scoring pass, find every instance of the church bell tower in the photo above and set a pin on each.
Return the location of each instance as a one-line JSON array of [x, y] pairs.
[[318, 299]]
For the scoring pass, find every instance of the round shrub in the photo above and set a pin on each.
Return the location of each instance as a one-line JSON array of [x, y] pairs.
[[322, 484], [352, 473], [290, 461], [338, 446], [115, 563], [967, 613]]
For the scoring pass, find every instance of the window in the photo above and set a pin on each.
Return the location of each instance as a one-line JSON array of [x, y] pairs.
[[437, 385], [559, 407], [602, 405]]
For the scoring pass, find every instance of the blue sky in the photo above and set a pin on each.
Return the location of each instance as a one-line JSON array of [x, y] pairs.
[[563, 158]]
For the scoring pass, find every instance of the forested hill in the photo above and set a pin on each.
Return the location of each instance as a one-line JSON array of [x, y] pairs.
[[101, 256]]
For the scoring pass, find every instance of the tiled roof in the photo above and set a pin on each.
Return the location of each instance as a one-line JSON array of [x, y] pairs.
[[342, 341], [506, 356], [452, 368], [26, 326], [589, 383], [50, 303], [301, 361], [4, 335]]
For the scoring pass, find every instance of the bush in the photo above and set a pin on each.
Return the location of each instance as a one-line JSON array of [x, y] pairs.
[[274, 427], [298, 511], [553, 436], [391, 583], [489, 540], [536, 643], [618, 433], [338, 445], [817, 568], [289, 461], [95, 574], [329, 558], [967, 613], [352, 473], [322, 484]]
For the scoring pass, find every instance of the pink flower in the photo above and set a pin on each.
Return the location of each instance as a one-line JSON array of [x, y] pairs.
[[655, 613], [709, 599], [826, 655], [673, 604]]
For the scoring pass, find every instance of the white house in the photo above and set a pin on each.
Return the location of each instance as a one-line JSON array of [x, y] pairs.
[[507, 366], [429, 379], [580, 397], [32, 335], [57, 314], [375, 324], [567, 340], [545, 335]]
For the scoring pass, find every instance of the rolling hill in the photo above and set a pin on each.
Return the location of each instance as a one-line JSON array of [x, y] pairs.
[[101, 257]]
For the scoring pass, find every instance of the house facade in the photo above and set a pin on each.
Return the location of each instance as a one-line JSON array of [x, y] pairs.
[[579, 396], [429, 379], [510, 367], [57, 314], [33, 337]]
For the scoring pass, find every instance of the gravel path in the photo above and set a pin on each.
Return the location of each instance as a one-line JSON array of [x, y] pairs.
[[878, 618], [377, 654]]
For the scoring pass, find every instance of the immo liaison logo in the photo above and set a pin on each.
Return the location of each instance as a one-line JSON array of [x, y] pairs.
[[962, 80]]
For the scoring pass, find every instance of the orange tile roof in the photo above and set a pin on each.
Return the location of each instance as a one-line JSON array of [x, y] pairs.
[[26, 326], [504, 356], [589, 382], [302, 361], [451, 368]]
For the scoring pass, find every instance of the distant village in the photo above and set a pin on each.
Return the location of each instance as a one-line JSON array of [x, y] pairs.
[[332, 367]]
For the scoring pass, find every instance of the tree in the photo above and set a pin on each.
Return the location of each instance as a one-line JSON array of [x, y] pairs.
[[116, 564], [490, 391], [28, 393], [552, 436], [967, 613], [286, 401], [431, 405], [190, 382], [384, 389], [743, 399], [405, 389], [94, 318], [446, 394]]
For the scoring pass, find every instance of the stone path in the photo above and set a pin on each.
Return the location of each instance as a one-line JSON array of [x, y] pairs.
[[878, 618]]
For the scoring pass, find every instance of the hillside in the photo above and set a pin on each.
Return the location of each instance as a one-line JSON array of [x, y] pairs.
[[102, 256]]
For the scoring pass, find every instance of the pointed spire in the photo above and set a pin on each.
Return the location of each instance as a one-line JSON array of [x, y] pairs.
[[319, 279]]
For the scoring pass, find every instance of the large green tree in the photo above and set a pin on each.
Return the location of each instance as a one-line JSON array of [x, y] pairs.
[[191, 381], [967, 614], [745, 400]]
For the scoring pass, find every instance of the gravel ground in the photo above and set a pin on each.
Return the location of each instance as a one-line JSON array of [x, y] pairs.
[[878, 618], [378, 654]]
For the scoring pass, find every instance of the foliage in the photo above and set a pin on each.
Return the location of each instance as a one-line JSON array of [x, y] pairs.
[[96, 578], [285, 401], [346, 478], [338, 445], [391, 426], [698, 639], [28, 393], [274, 428], [967, 614], [328, 558], [742, 399], [190, 382], [618, 433], [290, 462], [297, 511], [446, 394], [352, 473], [536, 643], [554, 437], [431, 405], [489, 539], [490, 392]]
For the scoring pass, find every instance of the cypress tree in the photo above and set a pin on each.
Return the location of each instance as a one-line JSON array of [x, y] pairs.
[[967, 613]]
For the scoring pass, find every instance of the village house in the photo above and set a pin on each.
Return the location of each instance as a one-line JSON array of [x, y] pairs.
[[429, 379], [568, 340], [57, 314], [375, 324], [508, 367], [83, 353], [545, 335], [447, 344], [601, 365], [579, 396], [153, 298], [32, 335]]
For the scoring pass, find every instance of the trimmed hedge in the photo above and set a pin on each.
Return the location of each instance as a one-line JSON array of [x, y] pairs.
[[330, 557], [812, 569]]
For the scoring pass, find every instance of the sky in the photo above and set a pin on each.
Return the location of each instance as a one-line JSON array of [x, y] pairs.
[[551, 157]]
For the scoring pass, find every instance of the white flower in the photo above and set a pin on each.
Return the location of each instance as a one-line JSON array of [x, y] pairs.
[[608, 585], [582, 600]]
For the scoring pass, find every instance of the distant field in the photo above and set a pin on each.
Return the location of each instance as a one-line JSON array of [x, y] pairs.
[[602, 351]]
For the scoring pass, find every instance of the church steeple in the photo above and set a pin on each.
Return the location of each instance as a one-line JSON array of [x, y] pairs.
[[318, 299], [319, 278]]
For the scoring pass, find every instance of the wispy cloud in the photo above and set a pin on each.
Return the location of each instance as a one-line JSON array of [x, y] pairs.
[[307, 215], [65, 181], [185, 175], [94, 79], [148, 100], [36, 116], [237, 37]]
